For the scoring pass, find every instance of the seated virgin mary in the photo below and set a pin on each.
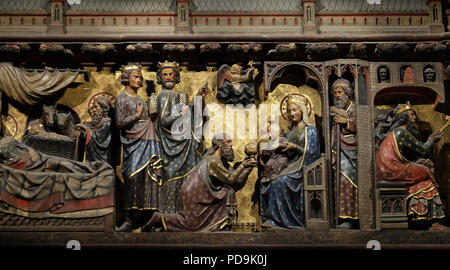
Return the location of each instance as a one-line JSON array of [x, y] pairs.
[[282, 197]]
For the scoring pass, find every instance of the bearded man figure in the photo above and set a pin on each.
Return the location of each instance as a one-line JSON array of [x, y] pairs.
[[344, 127], [208, 195], [97, 132], [179, 126], [401, 156]]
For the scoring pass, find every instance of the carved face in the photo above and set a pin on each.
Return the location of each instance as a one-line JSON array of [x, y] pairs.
[[135, 79], [227, 150], [168, 78], [63, 120], [295, 113], [383, 74], [340, 98], [236, 69], [412, 116], [429, 75], [338, 93], [48, 115]]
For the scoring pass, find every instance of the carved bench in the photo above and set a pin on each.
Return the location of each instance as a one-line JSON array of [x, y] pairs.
[[392, 204]]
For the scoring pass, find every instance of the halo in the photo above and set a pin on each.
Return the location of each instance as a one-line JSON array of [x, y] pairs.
[[284, 105], [92, 99]]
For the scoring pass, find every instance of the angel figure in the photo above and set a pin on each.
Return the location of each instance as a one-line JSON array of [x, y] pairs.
[[235, 85]]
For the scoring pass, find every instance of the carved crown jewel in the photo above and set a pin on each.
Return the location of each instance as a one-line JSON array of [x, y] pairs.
[[403, 107], [167, 64], [131, 66]]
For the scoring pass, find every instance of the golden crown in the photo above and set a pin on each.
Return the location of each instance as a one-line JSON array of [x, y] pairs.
[[167, 64], [131, 66], [402, 107]]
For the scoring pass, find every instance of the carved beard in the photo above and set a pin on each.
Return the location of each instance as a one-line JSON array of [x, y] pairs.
[[227, 153], [169, 84], [340, 104], [97, 118], [413, 128]]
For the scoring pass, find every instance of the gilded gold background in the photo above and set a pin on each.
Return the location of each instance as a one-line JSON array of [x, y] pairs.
[[105, 81]]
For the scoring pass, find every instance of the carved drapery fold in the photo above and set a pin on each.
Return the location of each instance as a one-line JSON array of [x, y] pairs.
[[30, 88]]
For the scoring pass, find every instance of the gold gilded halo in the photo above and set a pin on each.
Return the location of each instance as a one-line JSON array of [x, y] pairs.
[[283, 104], [92, 99]]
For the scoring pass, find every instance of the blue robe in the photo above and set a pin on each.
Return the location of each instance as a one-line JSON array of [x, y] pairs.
[[282, 199], [182, 151]]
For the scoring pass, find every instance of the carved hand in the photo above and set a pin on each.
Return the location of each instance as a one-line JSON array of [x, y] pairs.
[[251, 162], [339, 112], [289, 146], [139, 109], [339, 119], [435, 136], [34, 156], [203, 91]]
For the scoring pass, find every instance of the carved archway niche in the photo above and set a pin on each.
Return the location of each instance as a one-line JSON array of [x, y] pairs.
[[281, 79], [423, 101]]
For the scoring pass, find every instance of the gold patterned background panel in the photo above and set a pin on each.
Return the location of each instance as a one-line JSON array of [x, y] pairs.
[[100, 81]]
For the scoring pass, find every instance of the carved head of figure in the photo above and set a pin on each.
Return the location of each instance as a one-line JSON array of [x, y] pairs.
[[102, 107], [405, 115], [342, 92], [383, 74], [235, 69], [429, 74], [132, 76], [402, 115], [48, 117], [225, 145], [297, 110], [168, 75], [63, 120]]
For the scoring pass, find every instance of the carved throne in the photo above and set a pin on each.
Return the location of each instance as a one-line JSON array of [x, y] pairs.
[[392, 204], [316, 205]]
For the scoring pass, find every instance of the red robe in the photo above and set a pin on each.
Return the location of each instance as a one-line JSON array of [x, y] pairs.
[[393, 166]]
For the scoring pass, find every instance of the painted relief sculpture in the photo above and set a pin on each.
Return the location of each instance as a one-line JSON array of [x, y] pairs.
[[344, 142], [177, 125], [429, 74], [282, 195], [235, 85], [208, 196], [401, 156], [384, 76], [97, 132], [37, 185], [141, 156], [51, 125]]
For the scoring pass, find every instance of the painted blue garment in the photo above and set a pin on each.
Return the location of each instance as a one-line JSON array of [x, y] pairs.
[[282, 199], [181, 149], [139, 154]]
